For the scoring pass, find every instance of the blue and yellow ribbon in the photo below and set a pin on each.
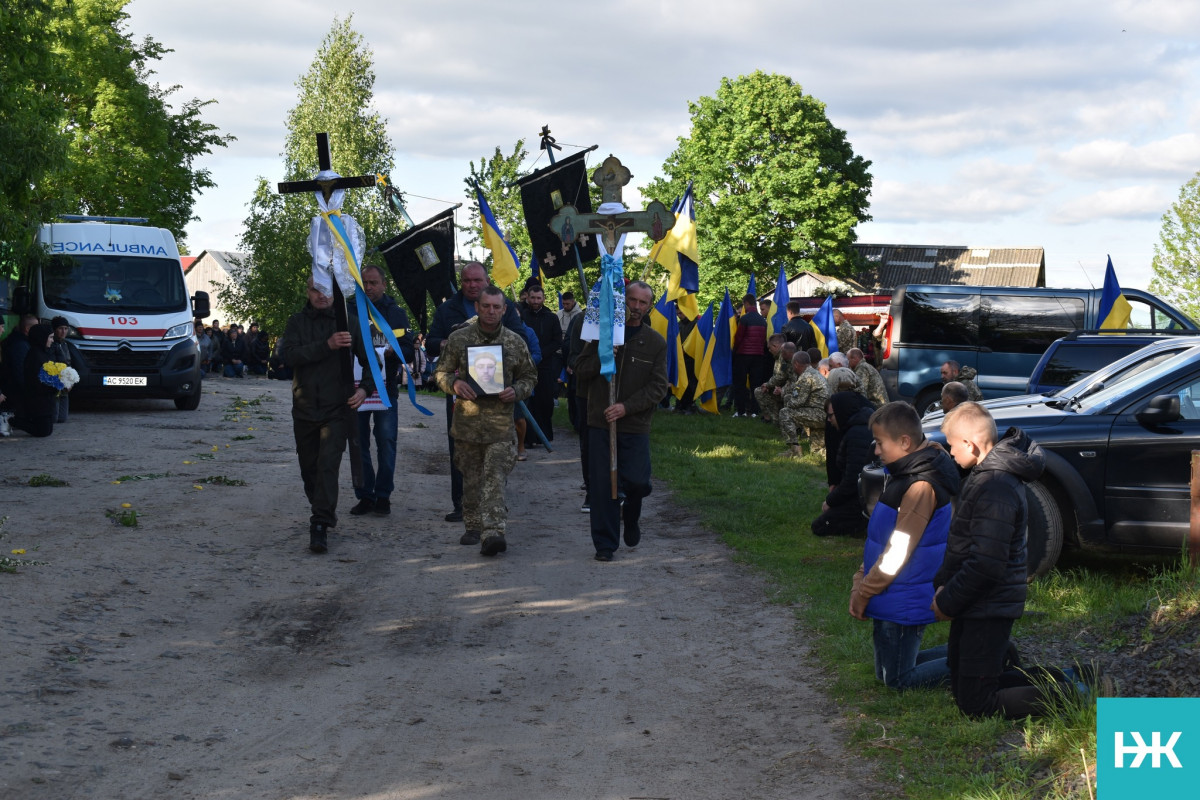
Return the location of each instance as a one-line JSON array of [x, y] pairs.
[[611, 276]]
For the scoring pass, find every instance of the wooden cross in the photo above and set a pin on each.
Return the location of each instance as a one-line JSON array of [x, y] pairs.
[[612, 176], [325, 187]]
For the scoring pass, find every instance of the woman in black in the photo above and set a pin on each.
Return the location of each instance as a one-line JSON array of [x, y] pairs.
[[38, 408]]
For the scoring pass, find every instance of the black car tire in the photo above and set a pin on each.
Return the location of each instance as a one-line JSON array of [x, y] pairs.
[[189, 402], [1045, 539], [928, 400]]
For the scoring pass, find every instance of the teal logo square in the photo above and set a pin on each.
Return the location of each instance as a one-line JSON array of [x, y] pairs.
[[1146, 745]]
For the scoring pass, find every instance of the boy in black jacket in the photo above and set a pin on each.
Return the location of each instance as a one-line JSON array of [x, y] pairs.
[[981, 585]]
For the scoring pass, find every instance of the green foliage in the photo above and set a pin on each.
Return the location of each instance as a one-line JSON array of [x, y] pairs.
[[126, 517], [221, 480], [497, 178], [775, 183], [1176, 262], [46, 479], [336, 96]]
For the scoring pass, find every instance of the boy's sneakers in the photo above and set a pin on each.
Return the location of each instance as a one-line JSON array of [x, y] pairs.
[[1089, 679], [5, 428]]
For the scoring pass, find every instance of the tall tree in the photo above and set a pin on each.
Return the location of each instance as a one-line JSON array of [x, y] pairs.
[[775, 183], [497, 178], [30, 130], [1176, 262], [130, 153], [336, 96]]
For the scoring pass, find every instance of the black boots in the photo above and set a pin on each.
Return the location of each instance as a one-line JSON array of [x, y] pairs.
[[317, 537]]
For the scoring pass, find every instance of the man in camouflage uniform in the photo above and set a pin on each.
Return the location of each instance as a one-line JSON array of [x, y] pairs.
[[769, 396], [868, 377], [804, 406], [483, 430], [967, 376], [846, 335]]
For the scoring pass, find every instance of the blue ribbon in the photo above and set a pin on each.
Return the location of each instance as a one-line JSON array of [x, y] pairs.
[[611, 274]]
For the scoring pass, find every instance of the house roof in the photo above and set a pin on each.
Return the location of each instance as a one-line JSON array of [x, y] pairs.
[[892, 265], [824, 279], [221, 257]]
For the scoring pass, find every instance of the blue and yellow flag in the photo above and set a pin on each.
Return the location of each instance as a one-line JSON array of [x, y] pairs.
[[778, 315], [706, 384], [664, 321], [1114, 308], [722, 346], [825, 329], [505, 263], [751, 286], [679, 252]]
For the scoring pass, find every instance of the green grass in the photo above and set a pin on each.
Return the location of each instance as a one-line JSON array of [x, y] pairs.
[[728, 473]]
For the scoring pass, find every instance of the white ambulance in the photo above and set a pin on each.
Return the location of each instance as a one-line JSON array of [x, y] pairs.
[[120, 287]]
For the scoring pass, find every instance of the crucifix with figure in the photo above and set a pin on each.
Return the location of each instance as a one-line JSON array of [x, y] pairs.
[[612, 218], [327, 186]]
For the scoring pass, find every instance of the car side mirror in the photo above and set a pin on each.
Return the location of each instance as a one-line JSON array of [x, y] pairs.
[[1162, 409], [200, 307]]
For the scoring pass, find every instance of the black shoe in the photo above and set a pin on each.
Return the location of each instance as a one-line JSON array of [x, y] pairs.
[[493, 545], [632, 535], [454, 516], [364, 506], [604, 555], [383, 507], [470, 537], [317, 533]]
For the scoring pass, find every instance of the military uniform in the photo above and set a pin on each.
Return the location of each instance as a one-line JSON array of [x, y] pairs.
[[769, 402], [804, 406], [967, 376], [483, 431], [872, 383], [846, 336]]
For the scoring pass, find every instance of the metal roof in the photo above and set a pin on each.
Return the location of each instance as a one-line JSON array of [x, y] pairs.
[[892, 265]]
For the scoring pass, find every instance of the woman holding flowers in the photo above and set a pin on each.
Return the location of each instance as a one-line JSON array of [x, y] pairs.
[[44, 379]]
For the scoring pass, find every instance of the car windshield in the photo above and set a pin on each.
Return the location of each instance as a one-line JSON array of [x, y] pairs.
[[1132, 365], [1132, 380], [111, 283]]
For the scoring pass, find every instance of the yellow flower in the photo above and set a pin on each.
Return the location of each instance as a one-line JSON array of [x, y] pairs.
[[197, 487], [19, 551], [53, 368], [187, 462], [214, 447], [249, 429], [116, 483], [227, 445], [126, 505]]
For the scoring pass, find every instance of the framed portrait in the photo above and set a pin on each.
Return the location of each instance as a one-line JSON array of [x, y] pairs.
[[485, 368]]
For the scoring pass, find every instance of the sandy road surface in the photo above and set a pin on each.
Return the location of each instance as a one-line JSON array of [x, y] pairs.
[[206, 654]]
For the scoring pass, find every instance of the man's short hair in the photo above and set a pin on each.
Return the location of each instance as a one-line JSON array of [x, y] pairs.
[[838, 360], [749, 298], [641, 285], [568, 295], [493, 290], [973, 416], [814, 355], [793, 307], [953, 365], [775, 338], [854, 352], [377, 268], [897, 419], [801, 358], [955, 391], [789, 349]]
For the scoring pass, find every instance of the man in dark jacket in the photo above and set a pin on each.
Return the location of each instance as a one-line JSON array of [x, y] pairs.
[[374, 496], [544, 324], [233, 353], [842, 511], [749, 347], [798, 330], [451, 313], [981, 585], [641, 382], [319, 402]]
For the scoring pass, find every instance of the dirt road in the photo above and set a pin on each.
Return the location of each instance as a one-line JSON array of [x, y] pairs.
[[205, 653]]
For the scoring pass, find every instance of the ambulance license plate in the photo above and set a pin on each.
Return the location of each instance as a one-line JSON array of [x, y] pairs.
[[124, 380]]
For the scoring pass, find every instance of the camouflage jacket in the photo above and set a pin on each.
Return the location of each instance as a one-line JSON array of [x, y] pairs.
[[872, 383], [967, 376], [809, 390], [847, 337], [783, 372], [485, 419]]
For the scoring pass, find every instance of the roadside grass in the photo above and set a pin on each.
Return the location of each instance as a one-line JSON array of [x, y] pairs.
[[728, 473]]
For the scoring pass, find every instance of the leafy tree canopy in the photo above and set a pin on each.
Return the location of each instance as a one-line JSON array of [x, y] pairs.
[[775, 184], [336, 96], [1176, 262]]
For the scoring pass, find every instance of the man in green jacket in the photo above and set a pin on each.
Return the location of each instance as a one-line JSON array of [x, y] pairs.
[[641, 383], [319, 401]]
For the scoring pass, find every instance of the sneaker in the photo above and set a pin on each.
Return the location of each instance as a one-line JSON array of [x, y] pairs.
[[469, 537], [5, 428], [586, 508], [632, 534], [737, 414], [493, 544], [364, 506], [604, 555], [454, 516], [317, 533], [383, 507]]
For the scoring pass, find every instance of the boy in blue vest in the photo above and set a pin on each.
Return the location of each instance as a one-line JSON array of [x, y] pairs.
[[906, 540]]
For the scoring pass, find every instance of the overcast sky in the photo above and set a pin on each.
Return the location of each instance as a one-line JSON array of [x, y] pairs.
[[1067, 125]]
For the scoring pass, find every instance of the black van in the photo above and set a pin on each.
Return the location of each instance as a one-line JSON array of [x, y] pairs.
[[1000, 331]]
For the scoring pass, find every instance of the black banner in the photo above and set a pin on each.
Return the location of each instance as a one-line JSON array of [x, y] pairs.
[[421, 261], [543, 193]]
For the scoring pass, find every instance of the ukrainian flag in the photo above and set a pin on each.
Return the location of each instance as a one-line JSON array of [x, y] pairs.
[[722, 346], [706, 396], [679, 252], [825, 329], [779, 301], [1114, 308], [664, 321], [504, 259]]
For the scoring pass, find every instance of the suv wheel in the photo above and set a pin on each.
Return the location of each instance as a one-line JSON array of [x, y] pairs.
[[1045, 538], [928, 400]]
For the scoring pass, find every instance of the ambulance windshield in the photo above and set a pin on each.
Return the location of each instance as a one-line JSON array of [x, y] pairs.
[[107, 283]]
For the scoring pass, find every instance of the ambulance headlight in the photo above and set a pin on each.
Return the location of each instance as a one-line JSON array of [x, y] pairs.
[[179, 331]]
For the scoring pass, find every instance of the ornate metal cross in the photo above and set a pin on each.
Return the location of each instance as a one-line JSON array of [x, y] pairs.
[[612, 176]]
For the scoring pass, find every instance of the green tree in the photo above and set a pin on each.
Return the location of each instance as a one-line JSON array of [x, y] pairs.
[[1176, 262], [30, 131], [497, 177], [130, 153], [775, 184], [336, 96]]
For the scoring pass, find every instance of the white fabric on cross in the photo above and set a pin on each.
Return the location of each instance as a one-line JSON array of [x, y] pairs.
[[328, 260]]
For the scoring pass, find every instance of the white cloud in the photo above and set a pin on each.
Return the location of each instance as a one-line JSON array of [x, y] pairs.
[[1128, 202], [1102, 159], [982, 190]]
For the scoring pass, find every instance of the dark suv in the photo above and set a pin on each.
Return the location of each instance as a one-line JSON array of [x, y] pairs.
[[1077, 355], [1118, 454]]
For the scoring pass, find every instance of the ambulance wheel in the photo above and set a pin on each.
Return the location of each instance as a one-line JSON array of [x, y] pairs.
[[189, 402]]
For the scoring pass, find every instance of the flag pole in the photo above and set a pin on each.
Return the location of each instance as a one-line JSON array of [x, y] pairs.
[[549, 146]]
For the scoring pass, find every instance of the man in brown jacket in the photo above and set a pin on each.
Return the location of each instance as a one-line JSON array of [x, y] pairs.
[[641, 382]]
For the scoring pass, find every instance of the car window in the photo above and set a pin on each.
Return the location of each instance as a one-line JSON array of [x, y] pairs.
[[1069, 363], [1027, 324], [947, 320], [1135, 380], [1189, 400]]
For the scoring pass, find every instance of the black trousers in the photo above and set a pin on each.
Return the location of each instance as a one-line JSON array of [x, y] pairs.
[[633, 480], [456, 486], [319, 447], [746, 368], [843, 520], [581, 427], [981, 685], [541, 406]]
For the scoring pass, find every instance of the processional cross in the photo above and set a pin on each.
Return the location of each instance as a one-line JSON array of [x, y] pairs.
[[612, 176]]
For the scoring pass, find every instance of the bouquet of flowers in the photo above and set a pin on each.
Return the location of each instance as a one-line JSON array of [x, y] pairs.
[[58, 375]]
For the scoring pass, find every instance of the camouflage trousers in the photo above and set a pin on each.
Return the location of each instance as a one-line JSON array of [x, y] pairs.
[[792, 419], [769, 403], [485, 469]]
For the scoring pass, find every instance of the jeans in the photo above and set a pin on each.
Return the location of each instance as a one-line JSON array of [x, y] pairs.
[[901, 663], [235, 370], [377, 484]]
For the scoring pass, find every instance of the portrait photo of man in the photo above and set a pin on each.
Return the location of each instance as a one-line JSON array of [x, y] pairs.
[[487, 367]]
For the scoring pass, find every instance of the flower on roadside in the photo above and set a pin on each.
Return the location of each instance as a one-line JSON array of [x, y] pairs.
[[20, 551]]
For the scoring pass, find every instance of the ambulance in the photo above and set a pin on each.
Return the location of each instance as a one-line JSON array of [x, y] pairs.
[[119, 285]]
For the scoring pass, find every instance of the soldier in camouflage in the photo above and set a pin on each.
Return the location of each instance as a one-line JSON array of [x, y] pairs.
[[804, 406], [846, 335], [770, 395], [967, 376], [869, 377], [483, 430]]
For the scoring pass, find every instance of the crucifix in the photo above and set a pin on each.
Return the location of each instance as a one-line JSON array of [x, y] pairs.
[[612, 219], [327, 186]]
